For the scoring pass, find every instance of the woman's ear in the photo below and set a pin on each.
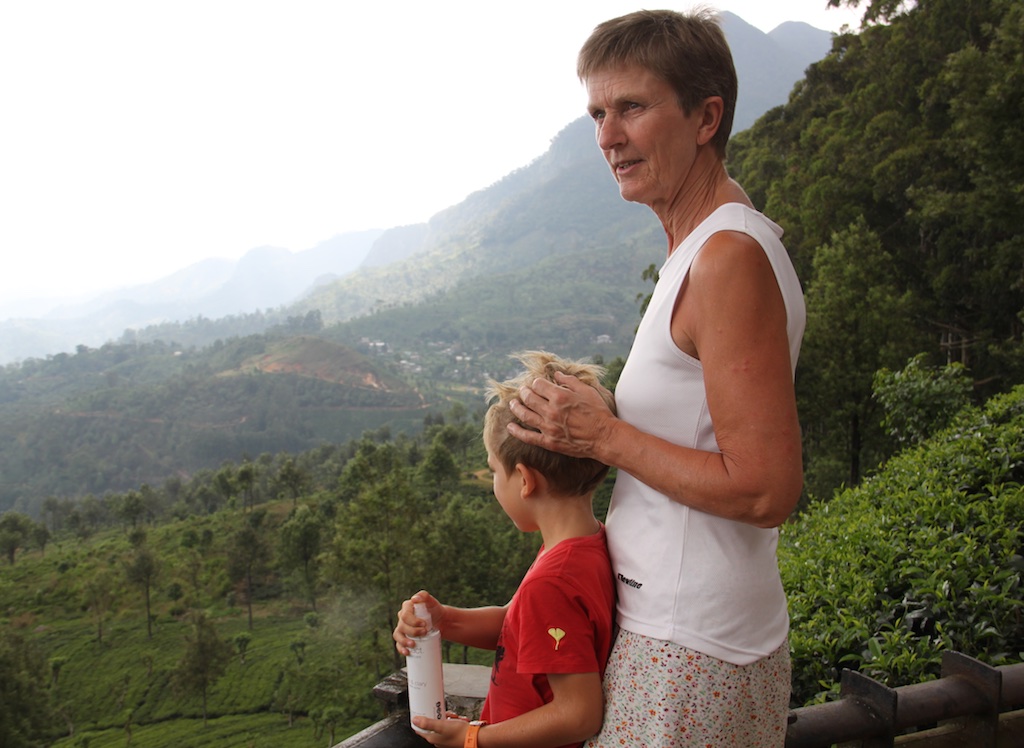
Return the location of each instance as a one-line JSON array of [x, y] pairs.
[[711, 118]]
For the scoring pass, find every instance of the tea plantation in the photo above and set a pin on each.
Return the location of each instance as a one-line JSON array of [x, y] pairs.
[[924, 556]]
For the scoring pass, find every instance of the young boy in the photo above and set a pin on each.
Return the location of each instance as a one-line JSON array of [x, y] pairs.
[[552, 639]]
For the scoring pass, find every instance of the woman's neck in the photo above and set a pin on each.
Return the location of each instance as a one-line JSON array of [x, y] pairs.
[[711, 189]]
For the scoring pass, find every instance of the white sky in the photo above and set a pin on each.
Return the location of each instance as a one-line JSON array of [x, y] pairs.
[[140, 136]]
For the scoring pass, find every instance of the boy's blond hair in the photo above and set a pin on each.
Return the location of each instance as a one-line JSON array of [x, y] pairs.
[[566, 476]]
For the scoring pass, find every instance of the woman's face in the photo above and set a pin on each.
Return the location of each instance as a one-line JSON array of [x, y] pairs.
[[646, 138]]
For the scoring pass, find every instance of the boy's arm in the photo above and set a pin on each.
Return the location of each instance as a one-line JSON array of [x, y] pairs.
[[473, 627], [574, 714]]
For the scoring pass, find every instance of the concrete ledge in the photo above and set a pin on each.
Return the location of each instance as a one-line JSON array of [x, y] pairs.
[[465, 688]]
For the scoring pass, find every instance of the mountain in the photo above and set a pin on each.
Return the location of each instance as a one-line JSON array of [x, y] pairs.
[[802, 41], [562, 203], [768, 65], [264, 278], [549, 256]]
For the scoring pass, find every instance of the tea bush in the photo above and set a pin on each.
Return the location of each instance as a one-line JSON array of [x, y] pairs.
[[923, 557]]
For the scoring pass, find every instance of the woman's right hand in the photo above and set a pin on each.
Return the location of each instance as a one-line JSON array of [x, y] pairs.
[[571, 418], [410, 625]]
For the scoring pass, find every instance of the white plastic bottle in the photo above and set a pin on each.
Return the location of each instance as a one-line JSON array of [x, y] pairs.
[[426, 677]]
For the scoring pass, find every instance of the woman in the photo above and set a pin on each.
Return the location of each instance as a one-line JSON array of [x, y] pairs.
[[707, 441]]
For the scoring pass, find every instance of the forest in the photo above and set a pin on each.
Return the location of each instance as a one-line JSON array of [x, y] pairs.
[[895, 169], [234, 584]]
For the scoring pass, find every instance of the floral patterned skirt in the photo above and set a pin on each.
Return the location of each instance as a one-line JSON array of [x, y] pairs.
[[659, 694]]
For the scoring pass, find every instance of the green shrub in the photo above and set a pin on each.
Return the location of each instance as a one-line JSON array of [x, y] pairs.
[[920, 400], [921, 558]]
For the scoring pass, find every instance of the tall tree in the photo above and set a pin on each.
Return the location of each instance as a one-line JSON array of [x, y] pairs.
[[300, 544], [142, 570], [857, 322], [246, 481], [248, 555], [40, 536], [52, 513], [99, 593], [225, 483], [26, 714], [438, 471], [293, 478], [130, 509], [15, 533], [380, 545], [970, 206], [204, 660]]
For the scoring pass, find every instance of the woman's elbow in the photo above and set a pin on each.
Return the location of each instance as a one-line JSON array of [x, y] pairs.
[[770, 519], [774, 508]]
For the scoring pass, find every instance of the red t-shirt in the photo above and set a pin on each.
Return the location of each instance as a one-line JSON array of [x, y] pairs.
[[559, 621]]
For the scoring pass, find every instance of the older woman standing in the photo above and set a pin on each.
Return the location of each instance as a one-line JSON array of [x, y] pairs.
[[707, 440]]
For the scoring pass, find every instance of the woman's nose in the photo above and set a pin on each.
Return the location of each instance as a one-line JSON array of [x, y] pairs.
[[609, 133]]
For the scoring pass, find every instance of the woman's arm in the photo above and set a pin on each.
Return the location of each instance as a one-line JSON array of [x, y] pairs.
[[730, 314]]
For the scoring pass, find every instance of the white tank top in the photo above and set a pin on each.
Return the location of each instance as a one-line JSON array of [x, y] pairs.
[[704, 582]]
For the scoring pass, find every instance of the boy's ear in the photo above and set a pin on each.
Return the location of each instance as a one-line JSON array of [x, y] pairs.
[[529, 480]]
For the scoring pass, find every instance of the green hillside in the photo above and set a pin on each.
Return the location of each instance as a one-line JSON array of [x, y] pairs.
[[114, 418], [524, 309], [123, 684], [924, 557], [288, 592]]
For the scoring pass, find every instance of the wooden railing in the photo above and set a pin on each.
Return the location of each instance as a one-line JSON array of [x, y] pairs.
[[972, 705]]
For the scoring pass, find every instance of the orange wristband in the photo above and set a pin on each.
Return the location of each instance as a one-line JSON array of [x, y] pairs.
[[471, 733]]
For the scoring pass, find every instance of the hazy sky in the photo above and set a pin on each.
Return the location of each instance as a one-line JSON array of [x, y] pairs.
[[140, 136]]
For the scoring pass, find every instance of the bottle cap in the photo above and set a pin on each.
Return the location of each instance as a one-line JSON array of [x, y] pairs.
[[421, 612]]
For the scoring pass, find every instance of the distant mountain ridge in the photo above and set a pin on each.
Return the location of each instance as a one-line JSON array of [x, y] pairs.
[[791, 48], [561, 203], [264, 278]]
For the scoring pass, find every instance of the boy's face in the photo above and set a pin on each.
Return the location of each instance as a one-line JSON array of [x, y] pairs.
[[508, 491]]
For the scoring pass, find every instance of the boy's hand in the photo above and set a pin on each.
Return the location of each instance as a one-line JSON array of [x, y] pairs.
[[448, 733], [409, 624]]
